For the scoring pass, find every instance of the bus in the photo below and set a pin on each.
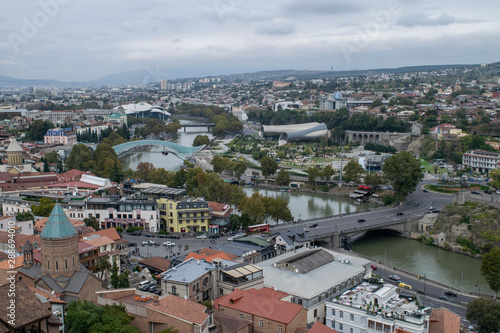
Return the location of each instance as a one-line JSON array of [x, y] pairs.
[[259, 227]]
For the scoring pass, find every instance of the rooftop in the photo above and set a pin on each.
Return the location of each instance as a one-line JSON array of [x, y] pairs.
[[310, 284], [191, 269]]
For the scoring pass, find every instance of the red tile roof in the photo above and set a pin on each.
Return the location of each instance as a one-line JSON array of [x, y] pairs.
[[269, 292], [209, 258], [180, 308], [444, 321], [220, 210], [78, 184], [320, 328], [269, 308], [72, 175], [157, 262], [110, 233]]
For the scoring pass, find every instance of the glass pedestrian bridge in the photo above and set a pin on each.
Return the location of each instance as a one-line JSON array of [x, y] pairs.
[[182, 152]]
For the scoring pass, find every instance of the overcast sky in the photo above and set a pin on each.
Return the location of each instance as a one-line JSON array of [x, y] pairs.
[[84, 40]]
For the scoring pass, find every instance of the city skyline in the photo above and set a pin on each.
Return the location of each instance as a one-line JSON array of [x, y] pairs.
[[69, 41]]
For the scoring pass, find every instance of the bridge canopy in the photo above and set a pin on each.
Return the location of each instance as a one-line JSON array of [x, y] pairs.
[[180, 151]]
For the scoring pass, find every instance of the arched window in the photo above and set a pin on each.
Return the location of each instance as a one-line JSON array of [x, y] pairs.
[[57, 265], [174, 290]]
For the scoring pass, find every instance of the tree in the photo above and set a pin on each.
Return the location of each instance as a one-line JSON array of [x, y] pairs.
[[374, 180], [44, 208], [352, 171], [268, 166], [238, 168], [38, 129], [403, 172], [328, 173], [201, 140], [45, 166], [495, 175], [283, 177], [101, 266], [24, 216], [91, 222], [312, 173], [144, 170], [217, 164], [490, 269], [80, 158], [277, 209], [254, 207], [486, 313]]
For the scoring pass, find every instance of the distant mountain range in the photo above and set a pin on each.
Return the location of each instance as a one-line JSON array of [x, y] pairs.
[[149, 75]]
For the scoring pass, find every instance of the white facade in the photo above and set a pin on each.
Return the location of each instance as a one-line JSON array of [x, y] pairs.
[[392, 312], [481, 161], [21, 227]]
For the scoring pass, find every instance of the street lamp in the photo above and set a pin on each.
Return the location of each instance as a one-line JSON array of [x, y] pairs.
[[425, 282]]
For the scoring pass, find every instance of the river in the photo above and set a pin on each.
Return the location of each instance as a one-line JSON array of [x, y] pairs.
[[154, 155], [410, 255]]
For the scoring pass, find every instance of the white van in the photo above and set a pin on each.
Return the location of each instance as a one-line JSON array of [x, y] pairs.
[[143, 283]]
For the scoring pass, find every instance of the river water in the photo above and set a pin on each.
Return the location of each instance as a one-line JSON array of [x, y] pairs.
[[453, 269]]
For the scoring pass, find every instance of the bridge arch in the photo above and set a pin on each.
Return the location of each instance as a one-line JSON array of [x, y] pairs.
[[180, 151]]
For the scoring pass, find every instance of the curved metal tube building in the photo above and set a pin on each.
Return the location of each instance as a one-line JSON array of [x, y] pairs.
[[296, 132]]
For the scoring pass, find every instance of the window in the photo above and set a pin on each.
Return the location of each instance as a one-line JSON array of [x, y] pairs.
[[341, 314], [379, 327], [97, 215], [174, 290], [341, 327], [351, 330], [66, 263], [57, 266], [249, 318], [315, 312], [333, 324], [352, 317], [280, 329], [261, 323], [333, 312], [241, 316], [221, 291], [387, 329], [371, 324], [205, 281], [48, 264]]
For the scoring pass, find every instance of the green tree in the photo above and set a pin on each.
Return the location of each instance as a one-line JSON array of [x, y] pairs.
[[352, 171], [403, 172], [283, 177], [45, 166], [81, 316], [374, 180], [144, 170], [490, 269], [254, 207], [101, 266], [44, 208], [268, 166], [80, 158], [238, 168], [277, 209], [38, 129], [91, 222], [312, 173], [24, 216], [485, 313], [217, 164], [51, 157], [495, 175], [201, 140], [328, 173]]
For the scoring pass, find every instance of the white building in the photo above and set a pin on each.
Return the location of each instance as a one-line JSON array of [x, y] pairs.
[[371, 308], [20, 227], [481, 160], [313, 276]]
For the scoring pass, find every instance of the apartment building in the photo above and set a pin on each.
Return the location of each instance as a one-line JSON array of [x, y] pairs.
[[376, 308], [59, 136], [481, 160], [184, 216]]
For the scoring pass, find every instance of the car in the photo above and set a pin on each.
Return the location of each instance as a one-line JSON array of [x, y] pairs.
[[132, 244], [426, 191], [444, 298], [167, 243], [374, 267], [314, 225], [436, 211], [152, 288], [488, 192], [174, 236], [475, 192], [431, 207], [361, 220], [497, 191], [213, 236], [404, 285], [151, 242], [399, 213], [147, 285], [450, 293], [202, 237], [149, 235], [394, 277], [144, 243], [415, 204], [143, 284]]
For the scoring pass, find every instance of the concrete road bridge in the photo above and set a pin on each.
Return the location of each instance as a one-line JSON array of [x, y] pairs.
[[182, 152], [208, 126]]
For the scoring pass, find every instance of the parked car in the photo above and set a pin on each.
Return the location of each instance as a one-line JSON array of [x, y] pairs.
[[147, 285], [152, 288], [167, 243], [132, 244], [173, 236], [144, 243], [475, 192], [314, 225], [213, 236], [149, 235], [426, 191], [488, 192], [142, 284], [202, 237], [374, 267], [450, 293], [399, 213], [361, 220], [415, 204], [394, 277], [497, 191]]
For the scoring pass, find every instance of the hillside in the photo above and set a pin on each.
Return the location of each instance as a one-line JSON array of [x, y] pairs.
[[470, 228]]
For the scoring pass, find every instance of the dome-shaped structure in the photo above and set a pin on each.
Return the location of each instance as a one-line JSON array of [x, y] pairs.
[[59, 245], [337, 95], [14, 153]]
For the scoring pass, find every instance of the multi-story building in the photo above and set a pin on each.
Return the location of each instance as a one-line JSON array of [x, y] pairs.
[[266, 314], [199, 280], [481, 160], [184, 216], [59, 136], [375, 308], [302, 273], [124, 213]]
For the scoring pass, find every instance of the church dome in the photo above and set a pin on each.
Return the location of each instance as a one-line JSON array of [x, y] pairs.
[[58, 225]]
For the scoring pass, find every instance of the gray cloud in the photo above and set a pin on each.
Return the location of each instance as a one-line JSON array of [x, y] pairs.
[[426, 20], [321, 7], [276, 27]]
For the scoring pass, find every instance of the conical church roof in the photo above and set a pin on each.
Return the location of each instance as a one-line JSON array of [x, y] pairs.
[[14, 145], [58, 225]]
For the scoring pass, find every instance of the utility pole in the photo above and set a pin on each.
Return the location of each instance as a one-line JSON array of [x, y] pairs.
[[341, 160]]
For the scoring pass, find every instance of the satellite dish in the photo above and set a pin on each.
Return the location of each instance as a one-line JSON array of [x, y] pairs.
[[297, 270]]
